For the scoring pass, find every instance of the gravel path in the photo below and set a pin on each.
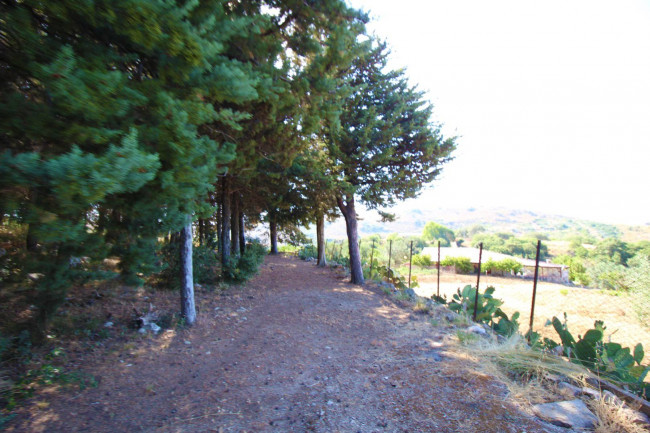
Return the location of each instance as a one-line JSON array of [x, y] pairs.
[[297, 349]]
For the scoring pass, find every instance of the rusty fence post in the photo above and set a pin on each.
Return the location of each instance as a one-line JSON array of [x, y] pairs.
[[410, 263], [372, 255], [532, 306], [478, 277], [438, 268]]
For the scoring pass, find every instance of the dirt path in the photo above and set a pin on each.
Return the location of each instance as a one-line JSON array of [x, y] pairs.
[[298, 349]]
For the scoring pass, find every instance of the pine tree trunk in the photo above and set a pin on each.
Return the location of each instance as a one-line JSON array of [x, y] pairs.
[[234, 225], [320, 239], [242, 235], [350, 215], [201, 227], [225, 222], [219, 220], [188, 310], [274, 236]]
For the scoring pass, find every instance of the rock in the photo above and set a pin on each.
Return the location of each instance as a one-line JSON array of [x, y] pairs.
[[108, 325], [450, 317], [477, 329], [610, 398], [590, 392], [154, 328], [187, 342], [142, 330], [573, 414], [568, 389], [635, 416], [410, 293]]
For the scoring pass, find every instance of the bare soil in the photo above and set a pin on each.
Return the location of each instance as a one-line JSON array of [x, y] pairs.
[[297, 349]]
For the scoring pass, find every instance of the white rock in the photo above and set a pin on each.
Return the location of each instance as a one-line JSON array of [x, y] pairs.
[[573, 413], [108, 324], [477, 329], [155, 328]]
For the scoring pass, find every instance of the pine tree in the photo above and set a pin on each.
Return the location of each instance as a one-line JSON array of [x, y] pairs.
[[386, 147]]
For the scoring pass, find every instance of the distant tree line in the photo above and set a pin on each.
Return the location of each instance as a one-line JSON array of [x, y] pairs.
[[142, 130]]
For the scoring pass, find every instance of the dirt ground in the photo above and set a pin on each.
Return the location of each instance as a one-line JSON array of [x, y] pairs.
[[297, 349], [582, 305]]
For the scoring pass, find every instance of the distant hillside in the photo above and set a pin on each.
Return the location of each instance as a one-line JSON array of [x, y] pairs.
[[518, 222]]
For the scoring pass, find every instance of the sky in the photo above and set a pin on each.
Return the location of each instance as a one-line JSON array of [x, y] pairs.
[[550, 100]]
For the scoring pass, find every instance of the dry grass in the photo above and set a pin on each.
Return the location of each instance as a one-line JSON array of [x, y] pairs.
[[524, 371], [614, 418]]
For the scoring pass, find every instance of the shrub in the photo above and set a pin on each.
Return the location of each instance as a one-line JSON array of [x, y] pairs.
[[308, 251], [463, 265], [245, 267], [205, 265], [422, 260], [505, 266]]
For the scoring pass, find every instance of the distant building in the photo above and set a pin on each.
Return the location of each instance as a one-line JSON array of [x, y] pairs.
[[547, 271]]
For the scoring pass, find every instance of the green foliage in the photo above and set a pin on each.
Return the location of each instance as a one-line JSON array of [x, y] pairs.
[[463, 265], [613, 250], [503, 267], [506, 243], [607, 359], [245, 267], [487, 309], [392, 276], [434, 232], [205, 265], [607, 275], [308, 252], [422, 260], [577, 269]]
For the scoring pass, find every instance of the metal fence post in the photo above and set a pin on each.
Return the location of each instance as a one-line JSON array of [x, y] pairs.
[[532, 307], [478, 277], [410, 263], [390, 251], [438, 268], [372, 255]]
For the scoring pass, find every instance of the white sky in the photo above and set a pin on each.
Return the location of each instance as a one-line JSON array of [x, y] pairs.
[[551, 100]]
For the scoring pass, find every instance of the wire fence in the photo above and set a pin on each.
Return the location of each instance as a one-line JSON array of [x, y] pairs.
[[626, 315]]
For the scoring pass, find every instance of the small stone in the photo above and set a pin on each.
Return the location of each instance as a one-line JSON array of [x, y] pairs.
[[590, 392], [142, 330], [610, 398], [155, 328], [477, 329], [108, 324], [635, 416], [568, 389], [410, 293], [187, 342], [573, 413]]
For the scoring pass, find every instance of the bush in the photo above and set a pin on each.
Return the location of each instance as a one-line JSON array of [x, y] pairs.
[[463, 265], [205, 265], [422, 260], [308, 251], [245, 267], [505, 266]]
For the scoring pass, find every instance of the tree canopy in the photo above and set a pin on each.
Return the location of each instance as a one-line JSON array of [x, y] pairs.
[[126, 123]]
